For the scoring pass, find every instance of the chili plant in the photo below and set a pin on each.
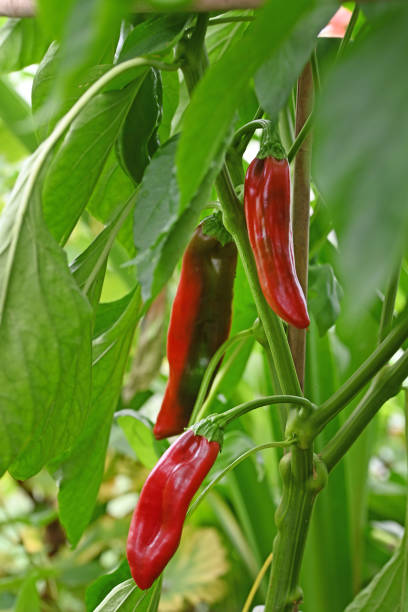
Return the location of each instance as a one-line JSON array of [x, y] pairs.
[[245, 170]]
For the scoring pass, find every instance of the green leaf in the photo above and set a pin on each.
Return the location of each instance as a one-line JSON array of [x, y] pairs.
[[361, 173], [21, 43], [324, 296], [113, 186], [88, 31], [276, 77], [162, 226], [109, 312], [76, 166], [328, 544], [171, 92], [89, 267], [156, 34], [16, 114], [219, 38], [387, 591], [127, 597], [82, 469], [208, 123], [99, 589], [44, 337], [28, 598], [46, 115], [139, 433]]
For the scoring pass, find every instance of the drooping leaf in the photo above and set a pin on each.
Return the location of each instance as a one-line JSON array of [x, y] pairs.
[[16, 114], [75, 168], [208, 123], [112, 187], [88, 32], [45, 114], [162, 225], [21, 43], [44, 337], [81, 470], [171, 92], [359, 155], [154, 35], [276, 77], [89, 267]]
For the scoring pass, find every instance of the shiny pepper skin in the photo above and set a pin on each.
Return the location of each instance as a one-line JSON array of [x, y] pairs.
[[157, 522], [200, 322], [267, 212]]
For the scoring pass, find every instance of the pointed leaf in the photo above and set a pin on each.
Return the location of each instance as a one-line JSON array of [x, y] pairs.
[[79, 161], [82, 469], [44, 337]]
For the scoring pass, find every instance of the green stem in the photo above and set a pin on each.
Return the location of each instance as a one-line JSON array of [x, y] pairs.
[[349, 31], [211, 368], [361, 377], [290, 555], [249, 128], [382, 385], [387, 312], [224, 418], [231, 466], [386, 386], [232, 19], [235, 223], [240, 144], [300, 138], [225, 368]]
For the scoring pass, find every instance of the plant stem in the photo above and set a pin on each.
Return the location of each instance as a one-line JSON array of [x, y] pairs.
[[232, 19], [235, 223], [289, 543], [224, 418], [219, 379], [349, 31], [231, 466], [301, 210], [386, 386], [362, 376], [212, 367], [387, 312], [378, 392], [249, 128]]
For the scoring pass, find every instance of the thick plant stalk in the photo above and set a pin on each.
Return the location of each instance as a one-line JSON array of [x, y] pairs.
[[296, 506], [300, 211]]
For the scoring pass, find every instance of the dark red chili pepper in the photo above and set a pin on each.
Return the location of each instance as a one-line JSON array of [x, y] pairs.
[[157, 522], [267, 211], [200, 322]]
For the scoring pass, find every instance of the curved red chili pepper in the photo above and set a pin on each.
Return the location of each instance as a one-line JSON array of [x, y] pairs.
[[267, 211], [200, 322], [157, 522]]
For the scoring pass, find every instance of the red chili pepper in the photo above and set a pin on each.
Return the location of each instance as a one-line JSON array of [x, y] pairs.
[[157, 522], [200, 322], [267, 211]]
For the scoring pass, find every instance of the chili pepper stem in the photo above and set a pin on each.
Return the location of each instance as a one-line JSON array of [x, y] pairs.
[[226, 417], [234, 464]]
